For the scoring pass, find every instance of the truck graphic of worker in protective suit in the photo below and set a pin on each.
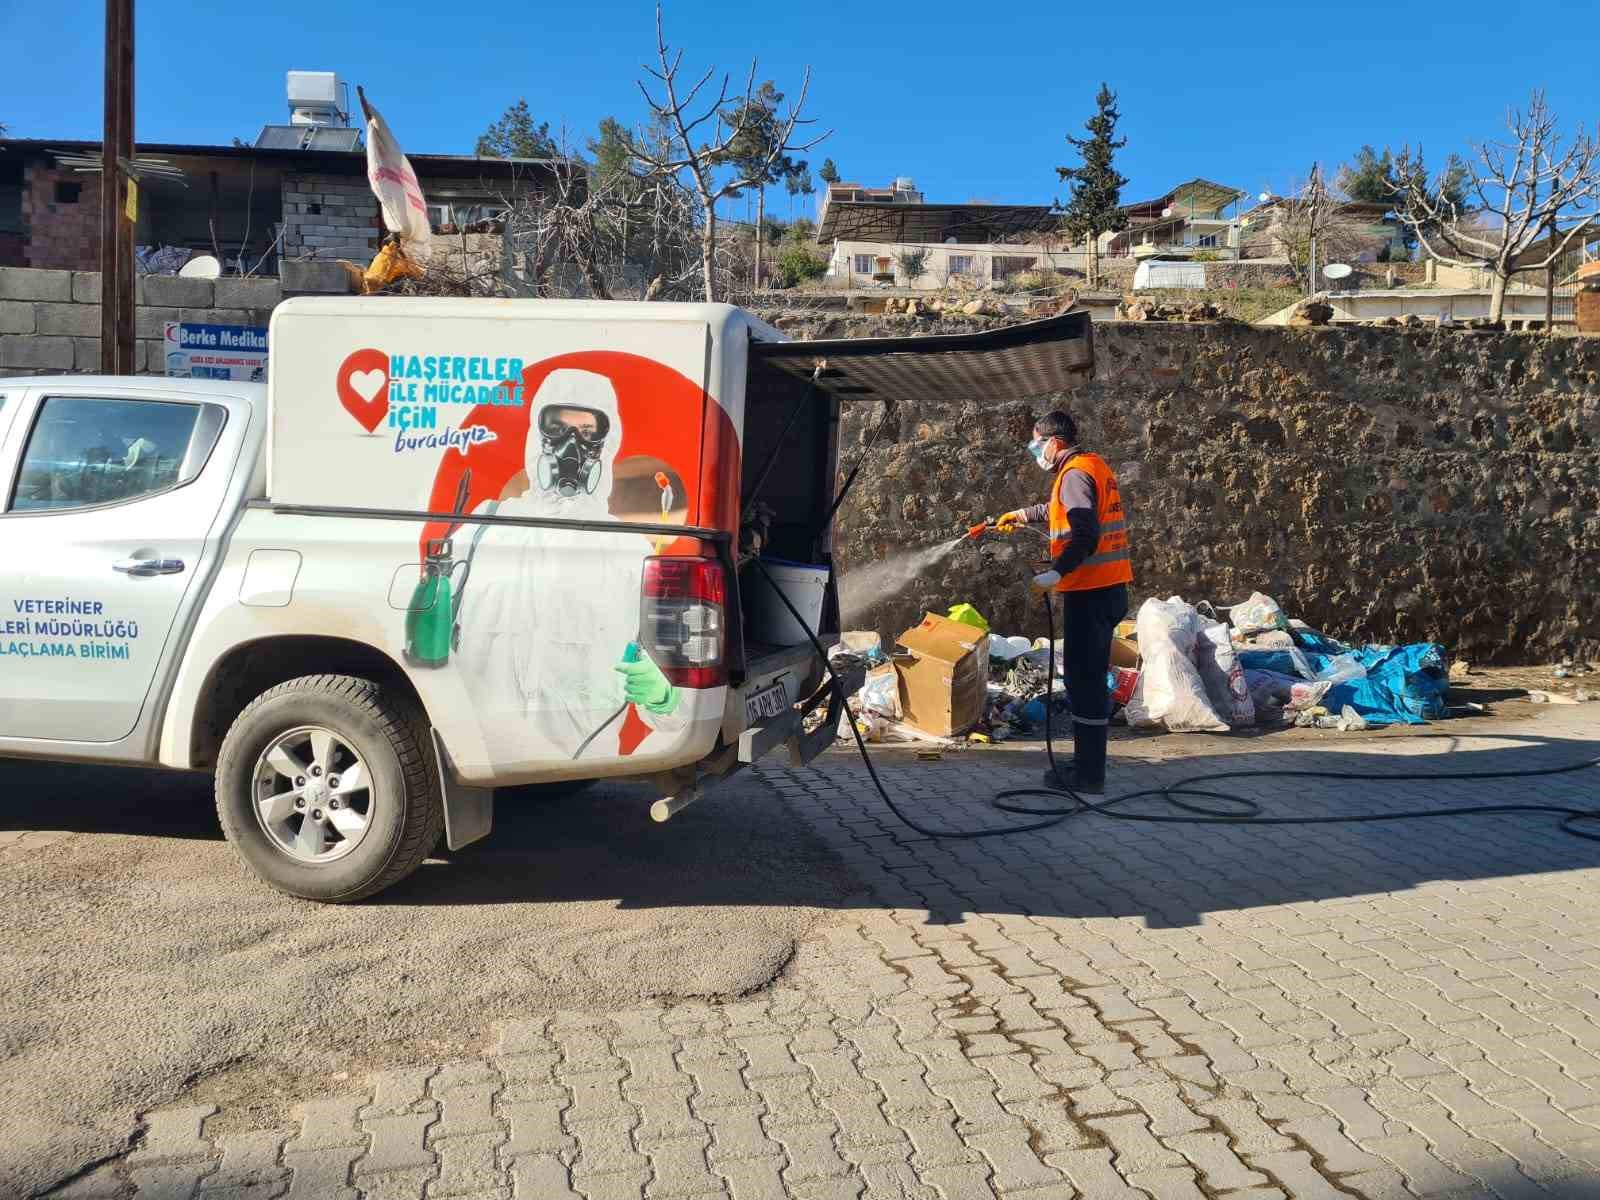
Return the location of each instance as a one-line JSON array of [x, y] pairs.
[[536, 603]]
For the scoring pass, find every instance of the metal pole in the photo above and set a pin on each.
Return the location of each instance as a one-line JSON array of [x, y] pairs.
[[116, 230], [1550, 296]]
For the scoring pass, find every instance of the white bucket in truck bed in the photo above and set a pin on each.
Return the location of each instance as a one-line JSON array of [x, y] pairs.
[[803, 584]]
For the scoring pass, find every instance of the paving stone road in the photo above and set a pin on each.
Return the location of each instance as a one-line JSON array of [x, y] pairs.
[[1104, 1009]]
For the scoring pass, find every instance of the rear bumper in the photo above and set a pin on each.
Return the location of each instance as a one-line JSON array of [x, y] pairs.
[[806, 690]]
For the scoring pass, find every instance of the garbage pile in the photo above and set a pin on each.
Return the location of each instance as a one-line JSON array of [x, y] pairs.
[[1258, 667], [1176, 666], [950, 677]]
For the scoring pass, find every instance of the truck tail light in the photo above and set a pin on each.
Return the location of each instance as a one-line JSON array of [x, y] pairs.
[[683, 622]]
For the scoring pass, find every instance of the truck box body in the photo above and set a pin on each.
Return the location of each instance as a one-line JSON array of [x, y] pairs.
[[422, 429]]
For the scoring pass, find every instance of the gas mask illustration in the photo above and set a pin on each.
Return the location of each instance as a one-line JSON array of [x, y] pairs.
[[571, 439]]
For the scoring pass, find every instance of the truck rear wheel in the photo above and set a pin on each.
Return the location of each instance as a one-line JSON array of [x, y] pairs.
[[328, 789]]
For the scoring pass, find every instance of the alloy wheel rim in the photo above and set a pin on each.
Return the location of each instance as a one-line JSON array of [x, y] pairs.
[[312, 795]]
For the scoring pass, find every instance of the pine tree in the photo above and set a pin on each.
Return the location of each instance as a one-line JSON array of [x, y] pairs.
[[1095, 206], [515, 135], [755, 151], [1378, 178], [828, 173], [1370, 177]]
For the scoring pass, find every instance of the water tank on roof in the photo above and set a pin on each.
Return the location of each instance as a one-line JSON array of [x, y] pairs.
[[316, 98], [905, 183]]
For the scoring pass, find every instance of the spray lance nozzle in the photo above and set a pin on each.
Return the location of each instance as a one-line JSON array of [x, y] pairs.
[[981, 528]]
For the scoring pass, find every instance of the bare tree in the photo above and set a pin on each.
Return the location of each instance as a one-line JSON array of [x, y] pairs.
[[712, 167], [1310, 225], [1526, 189], [606, 233], [608, 230]]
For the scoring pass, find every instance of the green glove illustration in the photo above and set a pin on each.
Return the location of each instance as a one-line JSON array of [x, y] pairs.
[[645, 685]]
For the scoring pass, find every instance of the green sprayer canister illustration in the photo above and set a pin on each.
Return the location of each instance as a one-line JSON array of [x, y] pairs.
[[431, 615]]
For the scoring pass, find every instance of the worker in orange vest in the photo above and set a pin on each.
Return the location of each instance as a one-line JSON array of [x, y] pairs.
[[1091, 571]]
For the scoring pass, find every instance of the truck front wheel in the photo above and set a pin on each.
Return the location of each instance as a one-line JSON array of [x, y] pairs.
[[328, 789]]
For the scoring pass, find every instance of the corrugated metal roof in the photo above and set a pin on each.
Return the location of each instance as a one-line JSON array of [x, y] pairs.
[[456, 166], [869, 221]]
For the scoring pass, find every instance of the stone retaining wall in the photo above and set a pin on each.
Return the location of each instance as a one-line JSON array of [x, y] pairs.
[[1382, 484]]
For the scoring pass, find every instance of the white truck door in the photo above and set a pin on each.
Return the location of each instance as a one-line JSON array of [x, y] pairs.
[[109, 519]]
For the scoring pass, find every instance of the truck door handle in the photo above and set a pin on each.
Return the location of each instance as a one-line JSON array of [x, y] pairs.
[[148, 566]]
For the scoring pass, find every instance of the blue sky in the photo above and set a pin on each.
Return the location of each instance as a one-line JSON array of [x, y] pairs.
[[973, 103]]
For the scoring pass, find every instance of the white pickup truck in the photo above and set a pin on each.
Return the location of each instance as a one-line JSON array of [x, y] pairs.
[[452, 545]]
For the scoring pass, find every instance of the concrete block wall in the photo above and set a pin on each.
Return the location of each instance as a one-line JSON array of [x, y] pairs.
[[50, 320], [329, 216]]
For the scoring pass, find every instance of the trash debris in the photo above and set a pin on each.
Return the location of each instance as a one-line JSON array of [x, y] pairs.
[[955, 682], [1004, 649], [1258, 614], [968, 615], [1170, 690], [1223, 676], [1120, 684], [864, 642], [1540, 697], [1269, 639], [944, 675], [880, 694]]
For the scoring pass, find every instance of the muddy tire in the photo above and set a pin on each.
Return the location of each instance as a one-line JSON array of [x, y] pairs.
[[328, 788]]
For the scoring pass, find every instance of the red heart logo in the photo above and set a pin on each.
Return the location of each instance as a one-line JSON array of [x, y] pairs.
[[364, 387]]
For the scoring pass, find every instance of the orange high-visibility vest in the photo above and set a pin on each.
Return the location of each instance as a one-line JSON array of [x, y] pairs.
[[1109, 565]]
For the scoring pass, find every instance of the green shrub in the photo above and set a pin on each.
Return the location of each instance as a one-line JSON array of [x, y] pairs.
[[1205, 256], [796, 263]]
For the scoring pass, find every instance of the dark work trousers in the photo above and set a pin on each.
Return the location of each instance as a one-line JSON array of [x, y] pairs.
[[1092, 614]]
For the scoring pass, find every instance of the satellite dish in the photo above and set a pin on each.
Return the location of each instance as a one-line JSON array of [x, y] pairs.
[[1336, 270], [1166, 212], [204, 266]]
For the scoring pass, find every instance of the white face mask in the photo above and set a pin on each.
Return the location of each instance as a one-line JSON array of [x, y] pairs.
[[1039, 448]]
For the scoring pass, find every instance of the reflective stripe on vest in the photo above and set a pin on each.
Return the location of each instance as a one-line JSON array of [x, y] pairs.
[[1110, 564]]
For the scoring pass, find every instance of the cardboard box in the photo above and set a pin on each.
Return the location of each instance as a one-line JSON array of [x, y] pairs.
[[1124, 652], [944, 680]]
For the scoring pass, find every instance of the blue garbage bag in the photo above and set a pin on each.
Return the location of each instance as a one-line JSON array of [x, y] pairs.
[[1319, 643], [1405, 685], [1279, 662]]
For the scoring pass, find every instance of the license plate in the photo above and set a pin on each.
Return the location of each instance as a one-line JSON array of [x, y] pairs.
[[767, 703]]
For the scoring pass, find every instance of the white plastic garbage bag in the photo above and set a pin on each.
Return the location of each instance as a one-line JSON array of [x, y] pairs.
[[1004, 649], [1223, 676], [1257, 613], [1170, 690]]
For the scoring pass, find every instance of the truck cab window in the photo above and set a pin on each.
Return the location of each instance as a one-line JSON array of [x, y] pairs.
[[86, 451]]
